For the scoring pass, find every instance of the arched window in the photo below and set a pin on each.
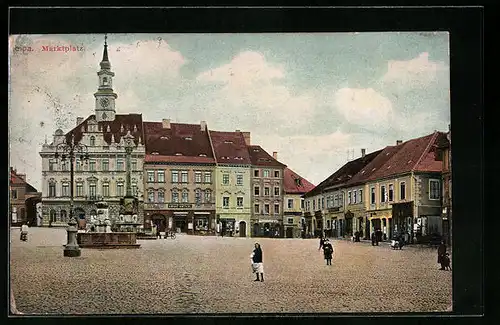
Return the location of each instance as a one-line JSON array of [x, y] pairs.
[[92, 141], [64, 216], [208, 196], [185, 197], [104, 80], [151, 195], [161, 196], [197, 197], [175, 196]]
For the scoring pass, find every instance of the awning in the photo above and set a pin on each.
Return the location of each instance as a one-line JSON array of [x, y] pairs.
[[268, 221]]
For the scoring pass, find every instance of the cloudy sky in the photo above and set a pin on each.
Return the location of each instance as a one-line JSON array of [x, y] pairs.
[[309, 96]]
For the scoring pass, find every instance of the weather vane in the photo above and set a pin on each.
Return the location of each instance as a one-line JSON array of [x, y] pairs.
[[106, 39]]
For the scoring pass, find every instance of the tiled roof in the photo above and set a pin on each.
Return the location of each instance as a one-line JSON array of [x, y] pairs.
[[179, 143], [17, 180], [414, 155], [345, 173], [260, 157], [365, 173], [230, 148], [132, 122], [294, 183]]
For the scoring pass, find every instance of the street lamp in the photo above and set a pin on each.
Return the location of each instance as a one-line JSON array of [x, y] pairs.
[[71, 150]]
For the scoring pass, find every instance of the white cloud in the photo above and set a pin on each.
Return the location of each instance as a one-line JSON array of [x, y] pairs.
[[363, 106], [415, 73], [251, 83]]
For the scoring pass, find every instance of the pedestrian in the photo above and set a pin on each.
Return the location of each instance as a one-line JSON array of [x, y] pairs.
[[158, 235], [441, 254], [374, 239], [257, 262], [321, 243], [24, 231], [328, 252]]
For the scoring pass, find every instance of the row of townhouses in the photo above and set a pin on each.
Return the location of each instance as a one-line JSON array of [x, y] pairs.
[[404, 189], [185, 176]]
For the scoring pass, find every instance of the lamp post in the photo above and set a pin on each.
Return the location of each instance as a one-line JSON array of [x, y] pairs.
[[71, 150]]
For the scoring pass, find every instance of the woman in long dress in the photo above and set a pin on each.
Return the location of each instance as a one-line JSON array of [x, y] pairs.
[[257, 265]]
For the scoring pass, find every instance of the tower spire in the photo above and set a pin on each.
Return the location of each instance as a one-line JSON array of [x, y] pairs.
[[105, 64]]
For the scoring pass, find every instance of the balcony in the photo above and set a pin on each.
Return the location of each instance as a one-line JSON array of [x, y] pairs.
[[93, 198]]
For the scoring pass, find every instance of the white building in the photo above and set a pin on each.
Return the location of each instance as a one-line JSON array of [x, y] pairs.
[[103, 176]]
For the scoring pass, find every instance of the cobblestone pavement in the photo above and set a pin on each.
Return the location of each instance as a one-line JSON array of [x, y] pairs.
[[192, 274]]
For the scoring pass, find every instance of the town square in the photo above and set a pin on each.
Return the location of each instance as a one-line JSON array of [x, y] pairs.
[[193, 173]]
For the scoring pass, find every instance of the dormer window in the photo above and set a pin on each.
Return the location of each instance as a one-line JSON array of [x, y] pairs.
[[228, 141], [92, 141], [255, 150], [164, 138], [188, 138], [155, 153], [202, 155], [178, 154]]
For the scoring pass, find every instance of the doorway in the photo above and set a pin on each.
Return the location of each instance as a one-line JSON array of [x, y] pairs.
[[159, 221], [289, 232], [255, 229], [243, 229]]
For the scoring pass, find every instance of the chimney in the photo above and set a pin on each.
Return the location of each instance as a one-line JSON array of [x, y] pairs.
[[246, 135], [166, 123], [79, 120], [203, 125], [363, 152], [398, 142], [275, 155]]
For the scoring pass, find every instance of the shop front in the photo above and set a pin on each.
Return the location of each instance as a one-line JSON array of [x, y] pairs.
[[335, 214], [402, 214], [381, 224], [271, 228]]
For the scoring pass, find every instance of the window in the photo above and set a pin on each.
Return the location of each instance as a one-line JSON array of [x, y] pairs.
[[175, 196], [161, 196], [349, 197], [225, 202], [383, 194], [289, 221], [13, 194], [161, 176], [239, 179], [175, 176], [151, 195], [119, 165], [134, 165], [119, 189], [341, 199], [372, 195], [336, 200], [302, 203], [79, 189], [266, 208], [276, 173], [151, 175], [92, 165], [184, 176], [185, 196], [92, 141], [225, 179], [354, 197], [208, 177], [266, 191], [105, 189], [134, 189], [65, 189], [239, 202], [322, 203], [256, 190], [92, 190], [402, 191], [65, 166], [52, 165], [197, 177], [391, 192], [256, 173], [290, 203], [434, 189], [197, 195], [256, 208], [266, 173], [105, 165], [208, 196], [276, 191], [360, 196], [78, 165], [276, 208], [314, 205], [52, 189], [319, 203]]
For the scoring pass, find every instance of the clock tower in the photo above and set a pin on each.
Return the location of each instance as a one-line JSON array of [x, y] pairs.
[[105, 97]]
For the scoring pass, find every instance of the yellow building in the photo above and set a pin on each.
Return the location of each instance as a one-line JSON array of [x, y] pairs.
[[293, 203]]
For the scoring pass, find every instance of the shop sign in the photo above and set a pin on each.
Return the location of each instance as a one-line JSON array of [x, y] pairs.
[[180, 206]]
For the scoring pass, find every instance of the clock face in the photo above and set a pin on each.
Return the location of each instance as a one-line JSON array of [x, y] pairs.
[[104, 102]]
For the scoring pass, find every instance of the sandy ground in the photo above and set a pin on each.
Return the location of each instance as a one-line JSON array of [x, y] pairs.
[[192, 274]]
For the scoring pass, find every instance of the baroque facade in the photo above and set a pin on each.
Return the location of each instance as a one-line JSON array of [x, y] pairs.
[[103, 175]]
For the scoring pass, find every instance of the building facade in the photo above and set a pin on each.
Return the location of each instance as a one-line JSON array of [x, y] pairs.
[[23, 200], [179, 182], [103, 176], [294, 186], [266, 193], [232, 182], [443, 154]]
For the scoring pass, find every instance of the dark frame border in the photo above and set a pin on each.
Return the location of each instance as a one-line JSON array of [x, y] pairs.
[[465, 25]]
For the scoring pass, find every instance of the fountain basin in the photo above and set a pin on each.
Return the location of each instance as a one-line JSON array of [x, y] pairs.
[[107, 240]]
